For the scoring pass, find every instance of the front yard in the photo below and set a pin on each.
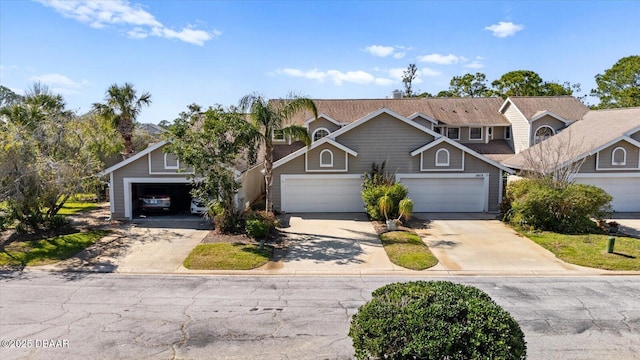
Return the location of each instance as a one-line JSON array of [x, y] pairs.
[[227, 256], [407, 250], [590, 250]]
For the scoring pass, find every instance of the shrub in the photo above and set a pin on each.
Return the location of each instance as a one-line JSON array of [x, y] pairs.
[[534, 203], [57, 223], [259, 223], [372, 194], [434, 320]]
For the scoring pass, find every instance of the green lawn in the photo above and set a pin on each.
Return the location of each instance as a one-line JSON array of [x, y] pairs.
[[71, 208], [407, 250], [591, 250], [48, 251], [227, 256]]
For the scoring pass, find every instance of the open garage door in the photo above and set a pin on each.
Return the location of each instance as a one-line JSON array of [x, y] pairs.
[[447, 192], [625, 190], [321, 193], [177, 189]]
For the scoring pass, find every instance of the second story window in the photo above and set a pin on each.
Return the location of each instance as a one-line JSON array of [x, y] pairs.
[[320, 133], [475, 133], [278, 135], [453, 133]]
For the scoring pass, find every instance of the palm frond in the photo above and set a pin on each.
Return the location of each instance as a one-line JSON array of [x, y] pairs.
[[297, 132]]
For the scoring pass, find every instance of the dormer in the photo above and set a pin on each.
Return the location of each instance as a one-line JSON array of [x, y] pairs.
[[321, 127]]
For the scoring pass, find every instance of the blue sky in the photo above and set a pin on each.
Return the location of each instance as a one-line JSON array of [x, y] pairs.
[[214, 52]]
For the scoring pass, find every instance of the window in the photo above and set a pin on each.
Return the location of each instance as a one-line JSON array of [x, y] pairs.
[[619, 156], [170, 161], [278, 135], [507, 132], [442, 157], [319, 134], [453, 133], [543, 133], [475, 133], [438, 129], [326, 158]]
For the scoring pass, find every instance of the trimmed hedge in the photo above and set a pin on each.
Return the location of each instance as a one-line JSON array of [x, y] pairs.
[[434, 320]]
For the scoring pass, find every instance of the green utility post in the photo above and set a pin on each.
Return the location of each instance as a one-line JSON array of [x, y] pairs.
[[610, 244]]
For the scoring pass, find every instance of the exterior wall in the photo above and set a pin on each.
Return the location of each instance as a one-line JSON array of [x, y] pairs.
[[156, 161], [424, 122], [520, 129], [428, 159], [386, 138], [604, 157], [252, 185], [464, 135], [589, 165], [636, 136], [322, 123], [547, 120], [339, 159]]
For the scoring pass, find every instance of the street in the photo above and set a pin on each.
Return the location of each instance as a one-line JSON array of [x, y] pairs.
[[114, 316]]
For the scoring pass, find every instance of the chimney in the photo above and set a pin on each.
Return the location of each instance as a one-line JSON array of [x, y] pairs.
[[396, 94]]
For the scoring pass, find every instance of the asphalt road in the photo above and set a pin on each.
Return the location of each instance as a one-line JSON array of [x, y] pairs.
[[111, 316]]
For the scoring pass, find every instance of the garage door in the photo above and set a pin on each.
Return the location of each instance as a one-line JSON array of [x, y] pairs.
[[321, 193], [442, 194], [624, 190]]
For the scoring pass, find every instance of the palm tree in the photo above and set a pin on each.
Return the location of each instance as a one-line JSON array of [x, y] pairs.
[[268, 117], [121, 107]]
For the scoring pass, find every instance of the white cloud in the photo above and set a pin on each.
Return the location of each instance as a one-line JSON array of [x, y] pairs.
[[379, 50], [429, 72], [141, 24], [503, 29], [58, 80], [336, 76], [399, 55], [440, 59], [475, 64]]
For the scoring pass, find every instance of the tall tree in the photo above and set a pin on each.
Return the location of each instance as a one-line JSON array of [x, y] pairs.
[[529, 83], [269, 117], [407, 78], [619, 86], [212, 142], [45, 158], [121, 106], [469, 85], [8, 97]]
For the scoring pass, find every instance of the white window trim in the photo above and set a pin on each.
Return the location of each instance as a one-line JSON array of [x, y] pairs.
[[453, 127], [273, 136], [624, 156], [313, 136], [171, 167], [507, 132], [535, 136], [475, 127], [442, 167], [448, 157], [330, 164]]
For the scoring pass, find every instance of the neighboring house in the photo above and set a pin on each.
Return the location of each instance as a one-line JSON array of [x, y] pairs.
[[153, 171], [605, 147]]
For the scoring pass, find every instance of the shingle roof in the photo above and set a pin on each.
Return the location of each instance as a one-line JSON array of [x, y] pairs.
[[567, 107], [451, 111], [596, 129]]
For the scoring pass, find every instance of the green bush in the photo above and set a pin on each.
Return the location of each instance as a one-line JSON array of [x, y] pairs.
[[257, 229], [57, 222], [434, 320], [372, 194], [535, 203]]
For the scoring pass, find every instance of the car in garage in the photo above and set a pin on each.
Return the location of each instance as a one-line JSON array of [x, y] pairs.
[[198, 206], [155, 200]]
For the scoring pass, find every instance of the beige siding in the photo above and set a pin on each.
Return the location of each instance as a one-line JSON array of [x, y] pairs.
[[604, 156], [322, 123], [455, 158], [339, 160], [520, 128], [547, 120], [385, 138]]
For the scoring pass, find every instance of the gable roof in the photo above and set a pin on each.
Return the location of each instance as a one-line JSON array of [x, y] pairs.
[[451, 111], [135, 157], [566, 107], [461, 147], [597, 130]]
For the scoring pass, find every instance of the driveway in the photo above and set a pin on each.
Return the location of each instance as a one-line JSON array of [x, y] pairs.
[[336, 243], [629, 223], [479, 244]]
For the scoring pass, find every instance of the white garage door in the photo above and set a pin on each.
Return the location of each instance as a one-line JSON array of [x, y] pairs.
[[624, 190], [441, 194], [321, 193]]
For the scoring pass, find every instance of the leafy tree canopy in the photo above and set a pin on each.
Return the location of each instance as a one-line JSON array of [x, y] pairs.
[[469, 85], [619, 86]]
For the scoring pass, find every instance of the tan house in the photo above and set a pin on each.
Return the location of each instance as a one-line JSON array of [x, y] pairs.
[[604, 148]]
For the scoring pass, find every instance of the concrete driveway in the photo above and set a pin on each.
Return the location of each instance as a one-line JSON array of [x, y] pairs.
[[629, 223], [343, 243], [479, 244]]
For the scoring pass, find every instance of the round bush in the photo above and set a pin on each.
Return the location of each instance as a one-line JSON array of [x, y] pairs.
[[434, 320]]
